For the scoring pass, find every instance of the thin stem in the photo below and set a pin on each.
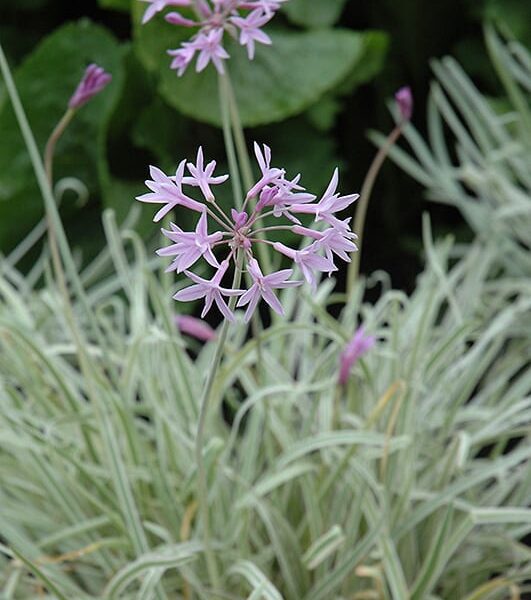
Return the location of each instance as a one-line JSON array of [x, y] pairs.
[[223, 213], [219, 221], [52, 141], [273, 228], [239, 136], [229, 142], [202, 484], [49, 201], [257, 216], [243, 156], [361, 210], [261, 241]]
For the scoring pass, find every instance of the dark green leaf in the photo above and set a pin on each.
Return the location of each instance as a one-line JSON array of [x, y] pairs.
[[309, 13], [123, 5]]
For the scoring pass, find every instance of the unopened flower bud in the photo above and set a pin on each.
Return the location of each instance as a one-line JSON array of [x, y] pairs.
[[404, 102], [93, 81]]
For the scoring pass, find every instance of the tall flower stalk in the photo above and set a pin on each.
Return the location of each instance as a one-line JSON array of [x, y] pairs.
[[231, 241], [404, 105], [243, 235]]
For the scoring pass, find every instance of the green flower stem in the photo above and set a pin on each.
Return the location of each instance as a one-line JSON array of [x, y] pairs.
[[52, 141], [202, 484], [244, 160], [239, 136], [52, 212], [55, 229], [361, 210], [228, 103], [224, 102]]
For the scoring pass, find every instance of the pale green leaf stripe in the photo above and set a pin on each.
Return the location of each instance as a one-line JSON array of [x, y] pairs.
[[434, 562], [273, 481], [495, 516], [323, 547], [332, 581], [169, 558], [40, 574], [339, 438], [257, 579]]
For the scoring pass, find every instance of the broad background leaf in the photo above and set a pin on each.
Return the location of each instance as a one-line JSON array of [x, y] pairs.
[[310, 13], [283, 80]]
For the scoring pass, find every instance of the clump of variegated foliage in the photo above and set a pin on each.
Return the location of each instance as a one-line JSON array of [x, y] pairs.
[[412, 482]]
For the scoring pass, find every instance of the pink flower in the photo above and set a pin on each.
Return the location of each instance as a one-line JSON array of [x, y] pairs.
[[308, 260], [238, 233], [210, 290], [175, 18], [210, 49], [182, 57], [268, 6], [263, 288], [239, 218], [329, 204], [357, 347], [269, 175], [190, 246], [196, 328], [213, 19], [156, 6], [404, 101], [93, 81], [331, 240], [250, 31], [167, 190], [202, 177]]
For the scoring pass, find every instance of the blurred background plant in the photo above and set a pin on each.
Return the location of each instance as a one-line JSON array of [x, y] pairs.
[[410, 482], [355, 56]]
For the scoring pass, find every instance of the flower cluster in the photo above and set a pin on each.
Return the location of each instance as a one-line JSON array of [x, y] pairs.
[[241, 19], [273, 195]]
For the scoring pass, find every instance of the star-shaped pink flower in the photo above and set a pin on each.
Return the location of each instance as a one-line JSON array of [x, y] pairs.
[[330, 203], [190, 246], [269, 174], [210, 290], [210, 49], [331, 240], [308, 260], [263, 286], [250, 31], [203, 177], [168, 190]]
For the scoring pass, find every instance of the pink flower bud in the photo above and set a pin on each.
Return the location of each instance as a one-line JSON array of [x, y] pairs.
[[175, 18], [404, 102], [357, 347], [93, 81], [196, 328], [239, 218]]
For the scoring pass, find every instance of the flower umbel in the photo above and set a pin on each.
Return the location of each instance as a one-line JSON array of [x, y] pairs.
[[242, 20], [93, 81], [238, 233]]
